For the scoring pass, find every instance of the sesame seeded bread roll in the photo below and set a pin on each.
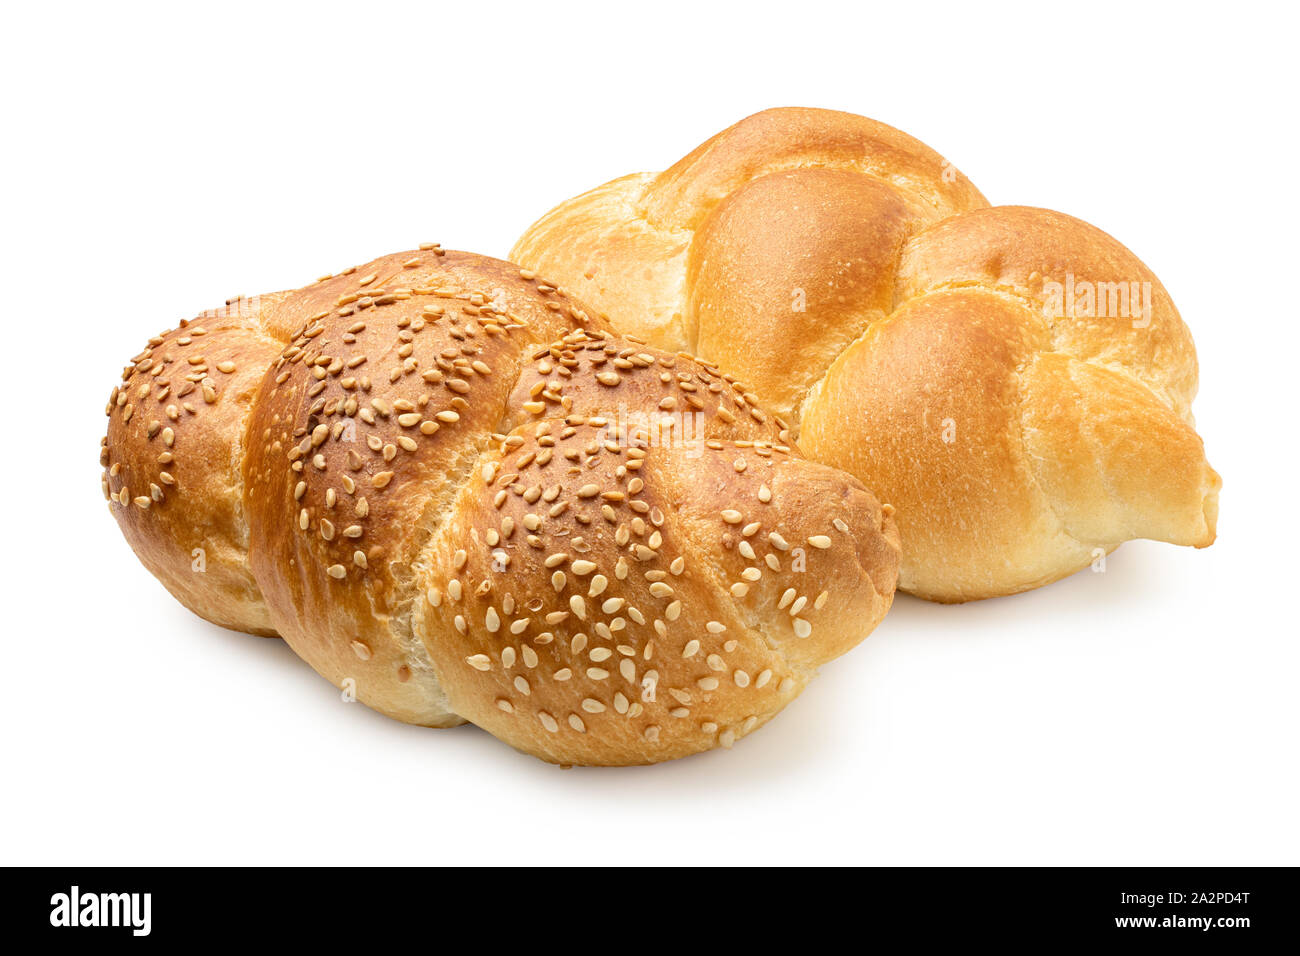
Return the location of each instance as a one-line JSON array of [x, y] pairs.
[[912, 335], [456, 493]]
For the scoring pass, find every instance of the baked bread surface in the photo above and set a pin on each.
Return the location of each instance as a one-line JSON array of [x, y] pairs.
[[457, 494], [1013, 380]]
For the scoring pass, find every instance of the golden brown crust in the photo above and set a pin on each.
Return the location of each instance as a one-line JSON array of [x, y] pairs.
[[390, 457], [172, 455], [1022, 250], [609, 604], [635, 387], [770, 257], [927, 343], [382, 401], [611, 254], [797, 138]]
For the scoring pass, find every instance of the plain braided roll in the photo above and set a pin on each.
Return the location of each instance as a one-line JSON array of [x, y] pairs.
[[1016, 382], [458, 495]]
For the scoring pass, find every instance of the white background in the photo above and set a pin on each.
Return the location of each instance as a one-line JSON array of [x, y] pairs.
[[158, 160]]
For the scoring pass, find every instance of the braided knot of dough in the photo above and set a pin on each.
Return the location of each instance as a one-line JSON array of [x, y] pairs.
[[459, 496], [1013, 380]]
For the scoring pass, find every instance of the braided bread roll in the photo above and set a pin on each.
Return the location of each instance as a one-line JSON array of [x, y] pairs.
[[975, 365], [458, 495]]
